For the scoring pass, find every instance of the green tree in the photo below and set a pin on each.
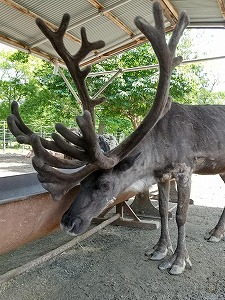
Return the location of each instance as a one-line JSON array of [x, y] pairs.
[[131, 94], [44, 98], [13, 78]]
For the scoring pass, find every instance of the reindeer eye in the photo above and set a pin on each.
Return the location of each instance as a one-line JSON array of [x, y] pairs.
[[104, 186]]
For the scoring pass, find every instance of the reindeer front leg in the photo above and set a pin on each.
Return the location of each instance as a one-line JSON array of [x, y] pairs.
[[218, 232], [164, 246], [180, 259]]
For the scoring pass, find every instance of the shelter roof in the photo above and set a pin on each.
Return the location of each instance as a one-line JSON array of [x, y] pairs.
[[109, 20]]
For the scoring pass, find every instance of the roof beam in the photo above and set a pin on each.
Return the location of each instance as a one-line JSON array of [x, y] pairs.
[[32, 15], [132, 40], [127, 44], [113, 51], [89, 18], [222, 7], [170, 11], [111, 17], [20, 46]]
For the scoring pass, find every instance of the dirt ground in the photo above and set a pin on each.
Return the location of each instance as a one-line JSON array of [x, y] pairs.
[[111, 264]]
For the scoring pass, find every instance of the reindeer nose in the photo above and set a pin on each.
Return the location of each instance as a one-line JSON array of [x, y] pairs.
[[76, 225], [71, 224], [67, 221]]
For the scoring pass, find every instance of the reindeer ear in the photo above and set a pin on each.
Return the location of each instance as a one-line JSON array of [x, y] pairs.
[[126, 163]]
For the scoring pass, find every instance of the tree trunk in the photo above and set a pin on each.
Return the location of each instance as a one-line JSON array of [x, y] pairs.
[[101, 128]]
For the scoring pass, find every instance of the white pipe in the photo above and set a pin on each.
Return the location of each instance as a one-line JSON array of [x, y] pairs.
[[149, 67]]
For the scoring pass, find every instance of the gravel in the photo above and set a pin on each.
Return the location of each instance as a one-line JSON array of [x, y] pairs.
[[111, 264]]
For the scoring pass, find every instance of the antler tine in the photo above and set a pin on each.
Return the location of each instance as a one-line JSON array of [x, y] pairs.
[[21, 137], [87, 146], [182, 23], [59, 183], [17, 126], [56, 37], [22, 132], [86, 46], [95, 154], [69, 150], [157, 35], [24, 135], [21, 125], [72, 61], [70, 135], [44, 157], [56, 182]]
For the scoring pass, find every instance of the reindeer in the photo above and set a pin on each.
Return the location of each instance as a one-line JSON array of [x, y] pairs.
[[173, 142]]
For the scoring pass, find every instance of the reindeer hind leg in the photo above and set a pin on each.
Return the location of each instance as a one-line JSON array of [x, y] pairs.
[[164, 246], [218, 232]]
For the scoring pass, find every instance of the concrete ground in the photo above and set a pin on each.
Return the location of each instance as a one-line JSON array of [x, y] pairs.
[[111, 264]]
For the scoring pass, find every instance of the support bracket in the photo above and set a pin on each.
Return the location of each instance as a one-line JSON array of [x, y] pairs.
[[131, 219]]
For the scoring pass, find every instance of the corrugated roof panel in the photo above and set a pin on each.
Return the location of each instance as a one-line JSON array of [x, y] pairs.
[[53, 10], [18, 24], [127, 14], [100, 28], [200, 11]]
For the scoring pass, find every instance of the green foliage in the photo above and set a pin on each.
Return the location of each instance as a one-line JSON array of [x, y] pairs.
[[44, 98], [131, 94]]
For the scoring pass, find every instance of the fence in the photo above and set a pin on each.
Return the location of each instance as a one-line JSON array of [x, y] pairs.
[[8, 142]]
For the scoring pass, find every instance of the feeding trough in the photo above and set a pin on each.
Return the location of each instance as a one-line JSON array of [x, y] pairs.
[[27, 211]]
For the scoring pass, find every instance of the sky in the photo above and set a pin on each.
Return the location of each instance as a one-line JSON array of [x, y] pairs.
[[207, 43], [211, 43]]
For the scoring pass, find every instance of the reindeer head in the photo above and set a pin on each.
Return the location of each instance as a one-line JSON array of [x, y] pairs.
[[102, 176], [97, 192]]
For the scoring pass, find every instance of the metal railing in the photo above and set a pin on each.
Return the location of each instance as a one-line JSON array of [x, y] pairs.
[[8, 142]]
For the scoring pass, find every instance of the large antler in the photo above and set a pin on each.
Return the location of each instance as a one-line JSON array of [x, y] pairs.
[[72, 61], [24, 135], [167, 62], [86, 148]]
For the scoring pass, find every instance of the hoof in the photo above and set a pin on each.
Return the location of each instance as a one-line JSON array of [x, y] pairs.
[[177, 270], [158, 255], [210, 237], [148, 253], [165, 265], [174, 268], [215, 239]]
